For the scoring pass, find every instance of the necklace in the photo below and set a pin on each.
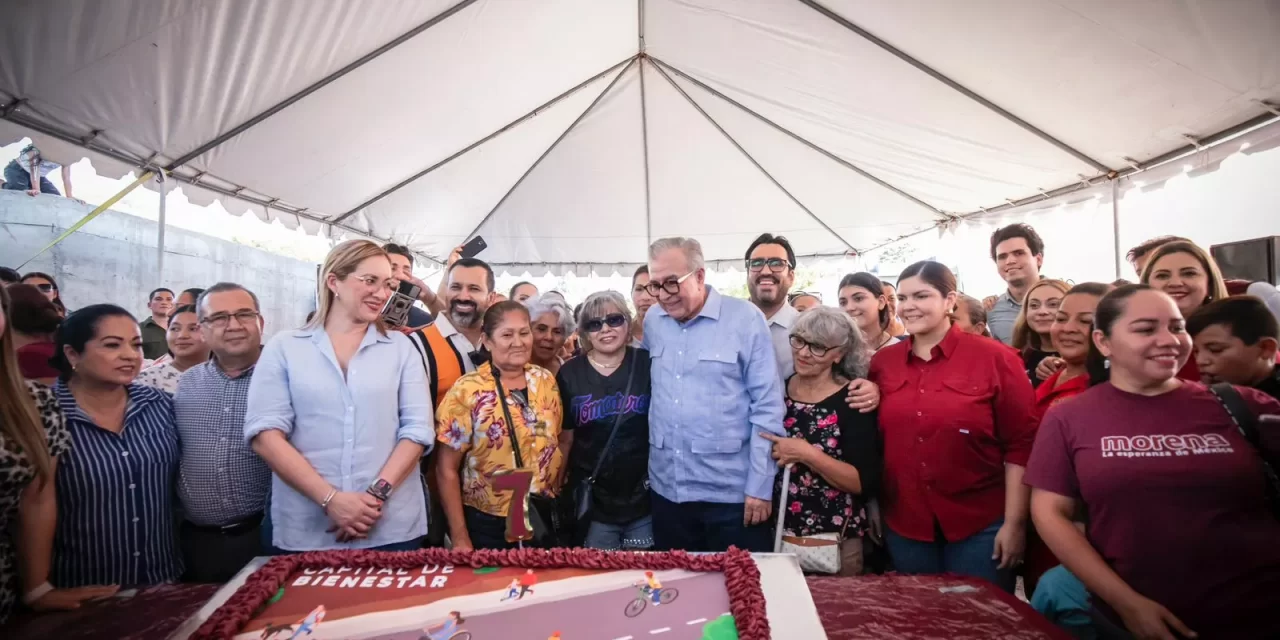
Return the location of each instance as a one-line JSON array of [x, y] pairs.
[[887, 337], [603, 365]]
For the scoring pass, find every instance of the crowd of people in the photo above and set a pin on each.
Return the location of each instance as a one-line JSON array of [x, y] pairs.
[[1111, 443]]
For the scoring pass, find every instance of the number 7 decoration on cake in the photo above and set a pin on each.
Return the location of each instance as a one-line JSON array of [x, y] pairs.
[[520, 483]]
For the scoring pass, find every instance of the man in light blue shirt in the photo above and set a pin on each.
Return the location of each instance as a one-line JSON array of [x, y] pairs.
[[715, 390]]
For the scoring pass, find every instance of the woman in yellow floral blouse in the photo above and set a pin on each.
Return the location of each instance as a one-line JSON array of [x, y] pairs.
[[471, 425]]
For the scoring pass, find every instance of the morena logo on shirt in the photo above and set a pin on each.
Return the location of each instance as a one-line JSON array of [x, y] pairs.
[[1164, 445]]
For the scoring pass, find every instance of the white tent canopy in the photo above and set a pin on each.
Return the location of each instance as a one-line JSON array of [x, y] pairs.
[[570, 133]]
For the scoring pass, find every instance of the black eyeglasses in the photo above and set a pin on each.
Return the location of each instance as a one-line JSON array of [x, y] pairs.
[[222, 320], [614, 320], [775, 264], [671, 285], [817, 350]]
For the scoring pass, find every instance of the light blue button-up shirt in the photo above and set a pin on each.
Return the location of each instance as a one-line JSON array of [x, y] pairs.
[[715, 389], [346, 428]]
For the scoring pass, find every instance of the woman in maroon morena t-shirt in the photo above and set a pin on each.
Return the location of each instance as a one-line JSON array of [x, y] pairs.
[[955, 412], [1180, 536]]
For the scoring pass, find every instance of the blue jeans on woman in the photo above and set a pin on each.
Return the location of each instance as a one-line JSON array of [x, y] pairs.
[[968, 557], [636, 535]]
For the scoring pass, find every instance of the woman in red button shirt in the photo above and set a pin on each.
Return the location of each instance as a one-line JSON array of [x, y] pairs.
[[956, 416], [1191, 277]]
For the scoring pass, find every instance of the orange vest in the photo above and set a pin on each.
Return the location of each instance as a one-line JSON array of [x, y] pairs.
[[444, 362]]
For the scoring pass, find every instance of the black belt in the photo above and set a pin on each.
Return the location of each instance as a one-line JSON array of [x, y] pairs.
[[233, 529]]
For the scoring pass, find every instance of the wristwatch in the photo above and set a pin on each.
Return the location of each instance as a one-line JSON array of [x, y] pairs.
[[380, 489]]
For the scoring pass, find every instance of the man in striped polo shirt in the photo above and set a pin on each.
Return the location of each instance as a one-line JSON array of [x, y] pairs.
[[222, 483]]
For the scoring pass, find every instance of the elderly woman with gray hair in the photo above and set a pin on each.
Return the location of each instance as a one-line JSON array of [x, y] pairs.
[[835, 450], [603, 391], [552, 322]]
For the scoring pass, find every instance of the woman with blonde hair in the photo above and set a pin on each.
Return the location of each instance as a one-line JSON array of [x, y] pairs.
[[33, 433], [339, 411], [1031, 329], [1189, 275]]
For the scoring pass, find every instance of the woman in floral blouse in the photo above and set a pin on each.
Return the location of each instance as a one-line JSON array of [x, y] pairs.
[[835, 450], [470, 422]]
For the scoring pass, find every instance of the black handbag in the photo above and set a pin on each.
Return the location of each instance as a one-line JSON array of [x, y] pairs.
[[582, 492], [1247, 422], [545, 515]]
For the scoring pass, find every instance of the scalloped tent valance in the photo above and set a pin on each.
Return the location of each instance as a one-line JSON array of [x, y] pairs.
[[570, 133]]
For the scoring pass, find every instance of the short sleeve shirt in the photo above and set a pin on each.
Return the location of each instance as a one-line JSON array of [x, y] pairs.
[[592, 403], [470, 420], [1001, 317], [1175, 498]]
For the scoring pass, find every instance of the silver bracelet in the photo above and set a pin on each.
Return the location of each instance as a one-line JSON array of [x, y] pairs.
[[324, 506], [37, 593]]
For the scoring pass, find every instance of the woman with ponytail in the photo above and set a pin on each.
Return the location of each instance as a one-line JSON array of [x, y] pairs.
[[33, 433], [1181, 538]]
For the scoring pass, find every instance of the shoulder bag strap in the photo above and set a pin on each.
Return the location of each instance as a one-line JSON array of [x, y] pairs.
[[506, 412], [1247, 422], [617, 420]]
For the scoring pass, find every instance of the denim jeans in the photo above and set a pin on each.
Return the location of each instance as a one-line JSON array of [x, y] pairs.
[[1063, 599], [18, 179], [705, 526], [487, 531], [968, 557], [631, 536]]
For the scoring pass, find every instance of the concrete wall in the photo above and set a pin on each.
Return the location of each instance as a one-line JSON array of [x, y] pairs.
[[113, 259]]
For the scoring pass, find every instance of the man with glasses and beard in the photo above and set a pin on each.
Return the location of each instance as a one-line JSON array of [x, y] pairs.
[[771, 270], [715, 390], [450, 348]]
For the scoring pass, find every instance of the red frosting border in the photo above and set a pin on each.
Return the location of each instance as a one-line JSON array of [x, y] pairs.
[[741, 576]]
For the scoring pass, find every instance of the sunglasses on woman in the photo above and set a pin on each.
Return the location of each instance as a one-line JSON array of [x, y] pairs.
[[45, 287], [614, 320]]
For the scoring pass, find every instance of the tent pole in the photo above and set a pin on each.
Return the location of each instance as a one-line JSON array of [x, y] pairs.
[[368, 57], [644, 135], [510, 125], [835, 158], [1115, 224], [753, 161], [554, 144], [931, 72], [164, 187]]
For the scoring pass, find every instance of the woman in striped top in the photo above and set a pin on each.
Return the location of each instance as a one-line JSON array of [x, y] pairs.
[[116, 484]]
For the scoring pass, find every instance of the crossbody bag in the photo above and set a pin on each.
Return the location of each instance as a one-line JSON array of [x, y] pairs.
[[820, 553], [544, 515], [1247, 422], [582, 493]]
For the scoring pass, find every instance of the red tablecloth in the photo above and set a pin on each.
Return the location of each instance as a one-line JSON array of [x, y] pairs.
[[152, 614], [917, 607]]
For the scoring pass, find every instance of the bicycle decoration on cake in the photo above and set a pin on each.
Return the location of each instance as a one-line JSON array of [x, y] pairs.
[[650, 591]]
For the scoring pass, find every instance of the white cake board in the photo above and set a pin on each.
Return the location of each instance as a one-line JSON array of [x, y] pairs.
[[792, 614]]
